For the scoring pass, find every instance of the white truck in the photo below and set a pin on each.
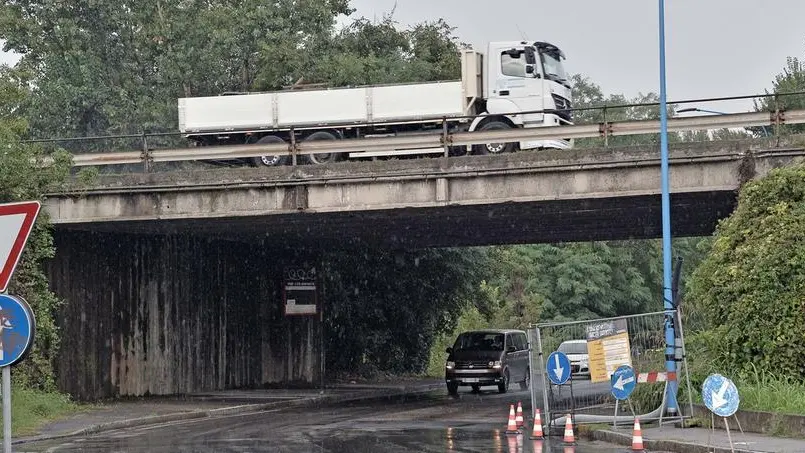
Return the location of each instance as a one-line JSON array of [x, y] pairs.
[[513, 77]]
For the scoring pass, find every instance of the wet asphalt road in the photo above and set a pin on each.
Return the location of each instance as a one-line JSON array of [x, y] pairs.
[[429, 423]]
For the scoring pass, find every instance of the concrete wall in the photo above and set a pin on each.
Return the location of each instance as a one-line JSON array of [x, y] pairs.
[[175, 314]]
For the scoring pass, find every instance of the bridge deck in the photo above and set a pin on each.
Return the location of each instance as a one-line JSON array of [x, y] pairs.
[[527, 197]]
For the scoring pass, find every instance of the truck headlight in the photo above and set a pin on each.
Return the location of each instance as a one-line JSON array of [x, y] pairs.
[[496, 364], [450, 365]]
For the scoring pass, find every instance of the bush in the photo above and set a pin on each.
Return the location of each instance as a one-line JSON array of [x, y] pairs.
[[748, 291]]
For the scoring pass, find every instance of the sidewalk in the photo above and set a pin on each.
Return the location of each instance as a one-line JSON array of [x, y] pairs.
[[697, 440], [156, 410]]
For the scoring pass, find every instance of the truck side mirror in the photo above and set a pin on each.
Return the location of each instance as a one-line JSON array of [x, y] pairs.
[[449, 350]]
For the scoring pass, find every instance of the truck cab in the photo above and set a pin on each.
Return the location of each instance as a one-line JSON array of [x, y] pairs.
[[521, 76]]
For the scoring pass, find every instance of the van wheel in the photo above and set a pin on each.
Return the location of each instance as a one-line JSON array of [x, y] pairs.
[[526, 381], [504, 387], [452, 389]]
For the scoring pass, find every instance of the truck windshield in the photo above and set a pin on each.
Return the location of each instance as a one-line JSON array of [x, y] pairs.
[[479, 341], [553, 67]]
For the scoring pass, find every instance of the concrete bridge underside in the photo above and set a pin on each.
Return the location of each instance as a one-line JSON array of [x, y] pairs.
[[527, 197]]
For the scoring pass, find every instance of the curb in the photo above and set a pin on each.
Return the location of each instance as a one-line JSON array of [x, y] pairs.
[[662, 445], [380, 394]]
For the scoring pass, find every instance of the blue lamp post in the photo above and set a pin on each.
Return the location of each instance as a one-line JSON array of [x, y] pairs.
[[670, 350]]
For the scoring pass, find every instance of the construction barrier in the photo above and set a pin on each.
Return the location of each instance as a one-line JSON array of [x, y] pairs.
[[595, 349]]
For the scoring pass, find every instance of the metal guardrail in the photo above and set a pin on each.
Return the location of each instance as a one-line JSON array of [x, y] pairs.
[[443, 140], [439, 143]]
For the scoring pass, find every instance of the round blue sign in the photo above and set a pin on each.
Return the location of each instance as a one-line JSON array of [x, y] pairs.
[[558, 368], [623, 382], [720, 395], [17, 326]]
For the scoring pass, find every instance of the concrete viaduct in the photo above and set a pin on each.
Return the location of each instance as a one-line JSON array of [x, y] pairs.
[[172, 279]]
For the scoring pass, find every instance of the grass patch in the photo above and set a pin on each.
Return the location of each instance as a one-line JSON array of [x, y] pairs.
[[765, 391], [32, 409]]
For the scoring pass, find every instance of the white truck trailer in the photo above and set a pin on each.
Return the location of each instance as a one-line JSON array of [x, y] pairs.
[[512, 77]]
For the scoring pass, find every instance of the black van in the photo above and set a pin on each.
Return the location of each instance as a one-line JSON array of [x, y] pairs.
[[488, 357]]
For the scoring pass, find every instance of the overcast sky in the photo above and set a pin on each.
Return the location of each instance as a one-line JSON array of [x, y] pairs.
[[714, 47]]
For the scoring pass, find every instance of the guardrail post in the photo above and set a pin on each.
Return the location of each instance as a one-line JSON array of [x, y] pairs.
[[444, 138], [606, 128], [293, 147], [776, 114], [145, 155]]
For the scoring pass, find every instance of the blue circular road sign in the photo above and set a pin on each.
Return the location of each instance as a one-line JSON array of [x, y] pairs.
[[623, 382], [558, 368], [17, 326], [720, 395]]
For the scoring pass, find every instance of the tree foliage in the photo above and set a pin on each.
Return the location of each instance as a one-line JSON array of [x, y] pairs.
[[790, 80], [24, 177], [749, 290], [386, 307]]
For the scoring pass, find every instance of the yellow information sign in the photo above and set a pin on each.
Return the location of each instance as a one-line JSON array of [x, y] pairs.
[[607, 348]]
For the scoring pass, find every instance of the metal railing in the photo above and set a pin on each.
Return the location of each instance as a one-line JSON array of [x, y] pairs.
[[438, 142]]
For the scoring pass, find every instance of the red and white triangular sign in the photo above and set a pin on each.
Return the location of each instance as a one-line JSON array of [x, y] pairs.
[[16, 222]]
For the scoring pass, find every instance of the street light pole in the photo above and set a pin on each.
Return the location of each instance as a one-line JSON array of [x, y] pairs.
[[670, 349]]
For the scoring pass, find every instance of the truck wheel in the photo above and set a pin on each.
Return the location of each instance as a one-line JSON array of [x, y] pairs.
[[493, 148], [270, 161], [322, 158], [452, 389]]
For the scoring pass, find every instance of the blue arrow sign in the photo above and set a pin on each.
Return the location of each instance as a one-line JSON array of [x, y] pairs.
[[17, 327], [558, 368], [720, 395], [623, 382]]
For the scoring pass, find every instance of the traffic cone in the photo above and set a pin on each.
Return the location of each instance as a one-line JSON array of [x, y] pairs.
[[512, 426], [569, 437], [637, 436], [519, 418], [536, 433]]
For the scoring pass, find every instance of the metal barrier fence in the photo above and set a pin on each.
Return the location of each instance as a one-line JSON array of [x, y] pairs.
[[602, 125], [596, 348]]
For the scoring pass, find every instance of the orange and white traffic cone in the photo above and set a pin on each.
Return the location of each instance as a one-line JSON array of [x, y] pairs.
[[512, 426], [536, 433], [519, 418], [637, 436], [569, 437]]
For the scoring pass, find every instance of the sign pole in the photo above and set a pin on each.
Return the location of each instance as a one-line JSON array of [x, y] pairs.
[[7, 409]]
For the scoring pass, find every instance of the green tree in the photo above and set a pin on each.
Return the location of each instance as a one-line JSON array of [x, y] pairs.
[[790, 80], [749, 289], [25, 175], [386, 308]]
